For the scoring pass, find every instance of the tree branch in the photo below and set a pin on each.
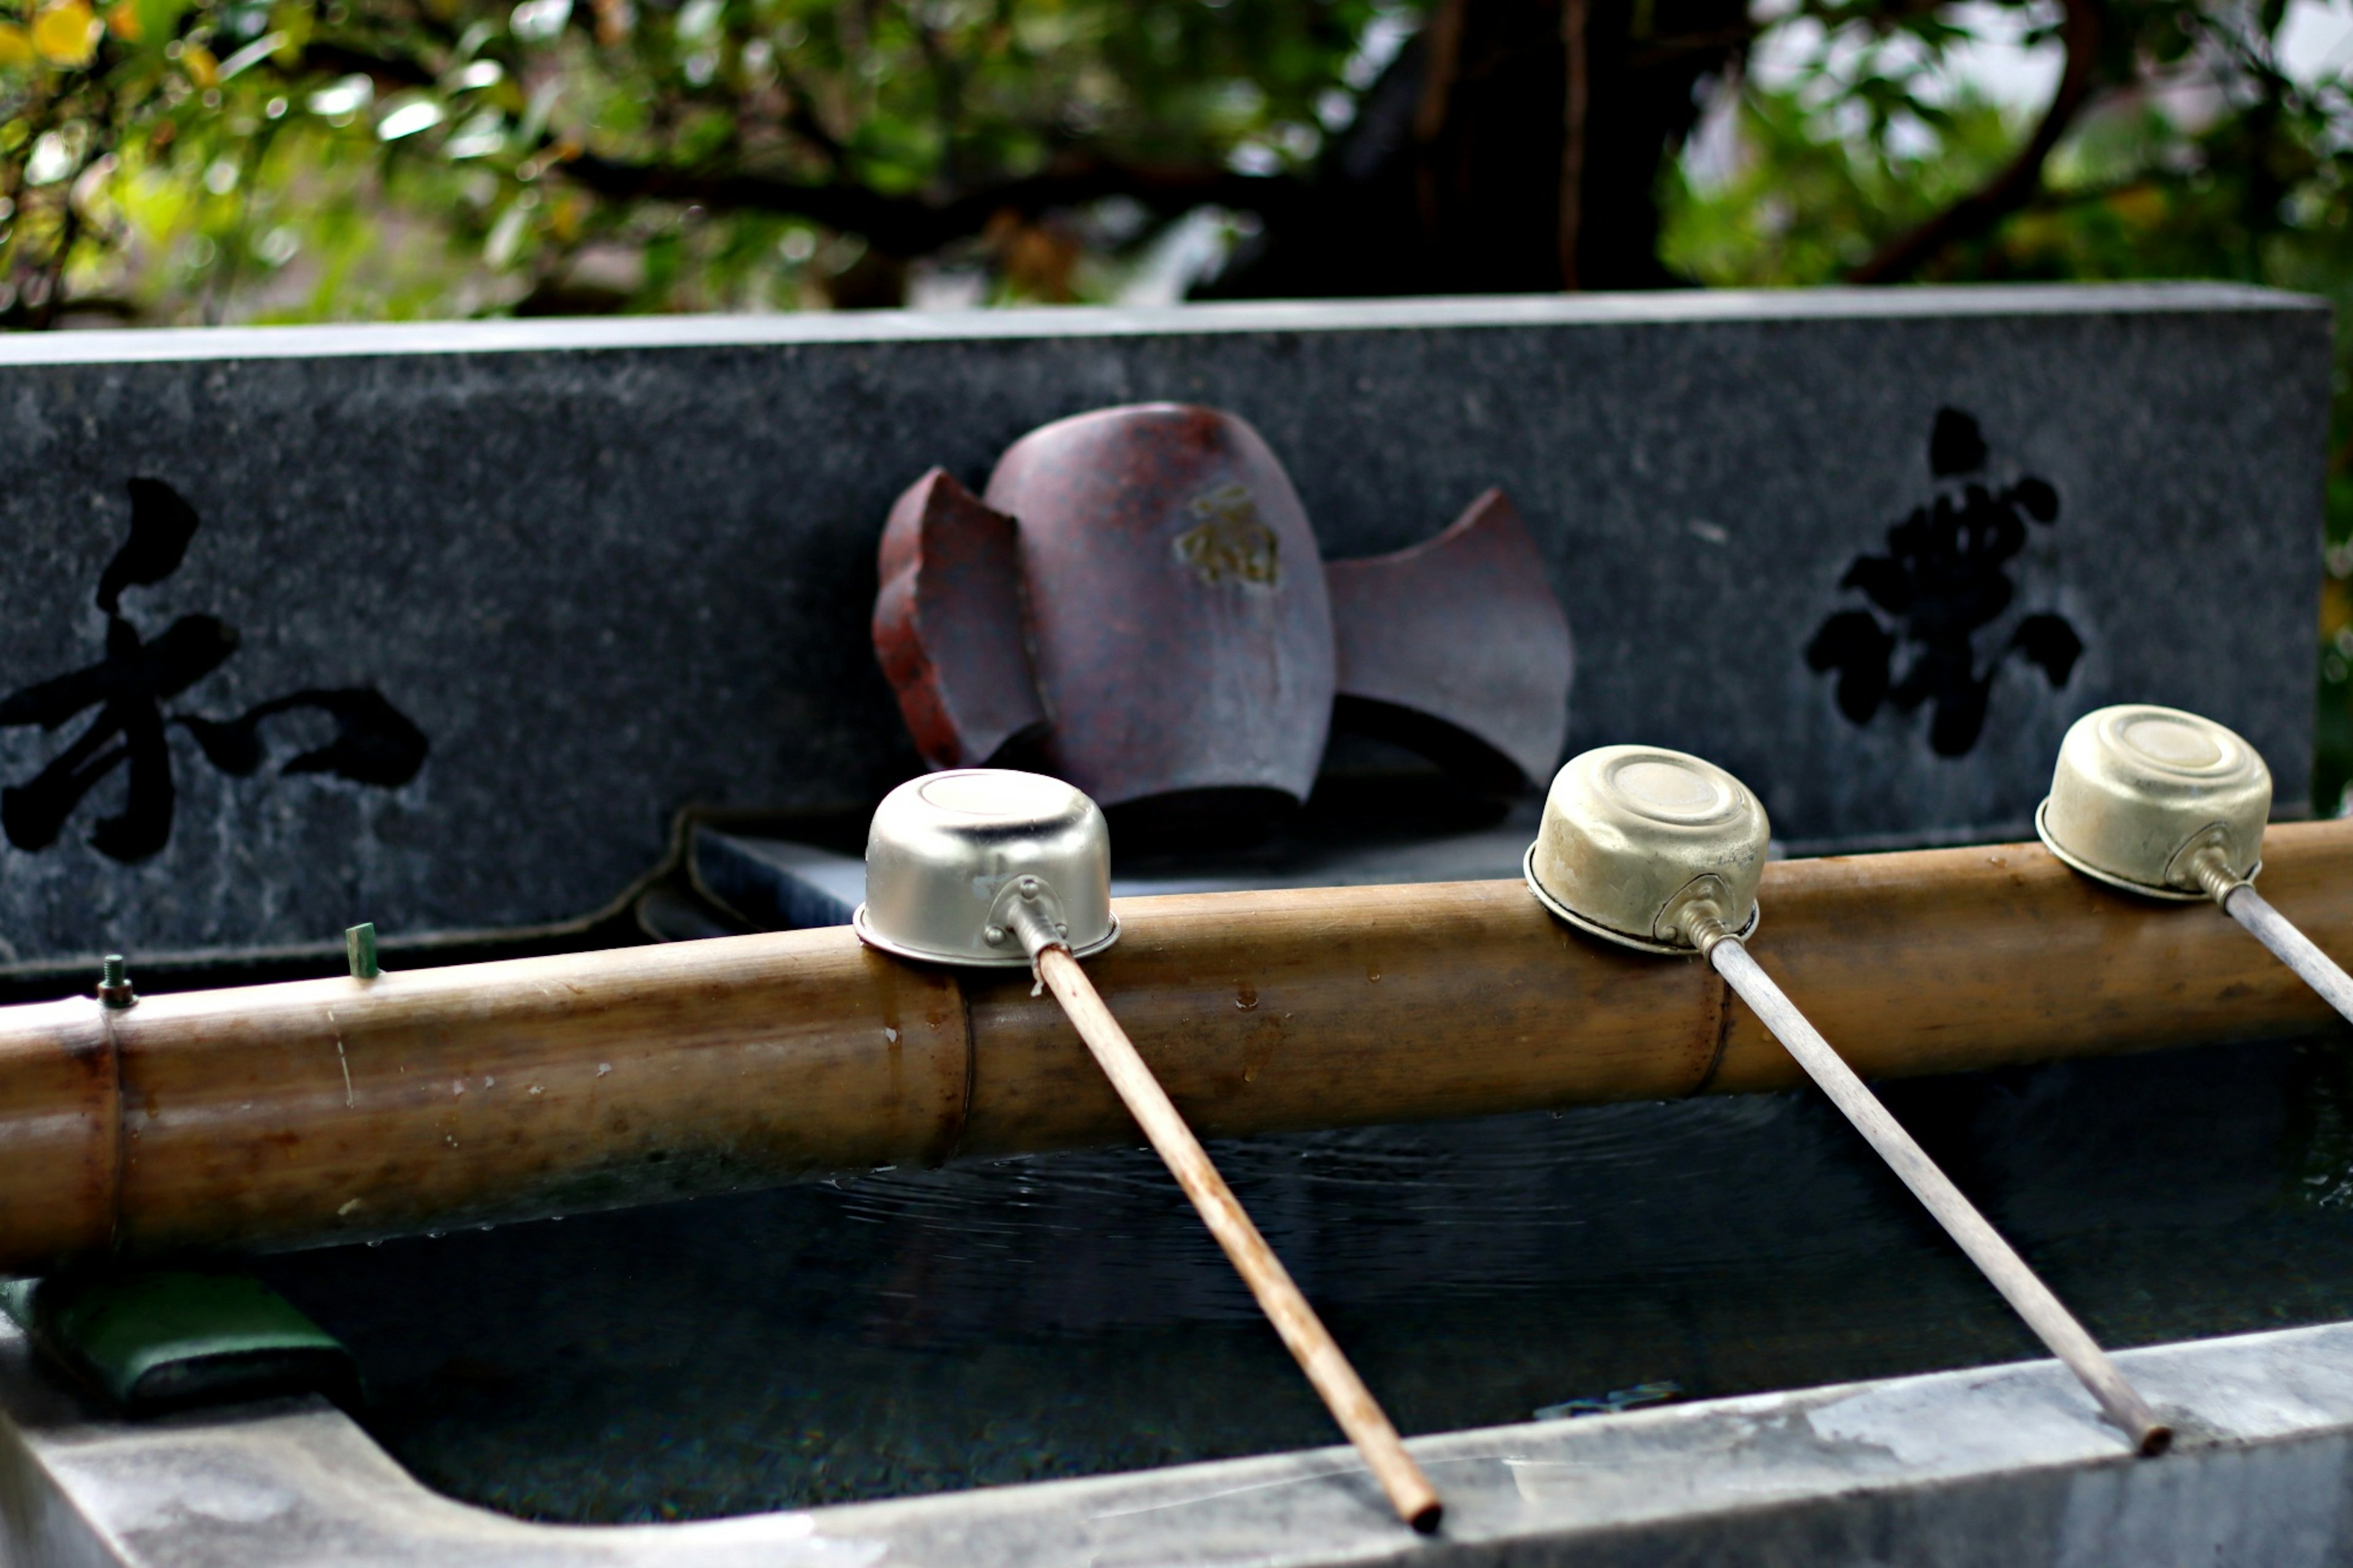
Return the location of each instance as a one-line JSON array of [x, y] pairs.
[[912, 226], [1675, 47], [2016, 185], [1440, 45], [1575, 30], [801, 119], [348, 59]]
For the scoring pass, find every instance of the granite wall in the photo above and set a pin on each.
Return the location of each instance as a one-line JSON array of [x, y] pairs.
[[438, 626]]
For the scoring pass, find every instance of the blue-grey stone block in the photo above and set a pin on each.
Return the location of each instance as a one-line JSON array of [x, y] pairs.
[[609, 570]]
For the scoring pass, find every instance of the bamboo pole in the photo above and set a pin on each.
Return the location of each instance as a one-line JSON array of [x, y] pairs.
[[343, 1110]]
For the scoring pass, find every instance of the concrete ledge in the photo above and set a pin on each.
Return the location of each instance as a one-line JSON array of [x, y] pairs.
[[138, 346], [2006, 1466]]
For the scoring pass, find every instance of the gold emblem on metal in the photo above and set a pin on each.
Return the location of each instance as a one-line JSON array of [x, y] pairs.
[[1230, 543]]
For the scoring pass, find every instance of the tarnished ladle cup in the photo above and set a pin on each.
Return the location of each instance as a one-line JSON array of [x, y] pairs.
[[1660, 851], [2170, 805], [991, 868]]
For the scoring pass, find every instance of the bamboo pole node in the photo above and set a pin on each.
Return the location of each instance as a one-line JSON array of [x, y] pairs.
[[248, 1137]]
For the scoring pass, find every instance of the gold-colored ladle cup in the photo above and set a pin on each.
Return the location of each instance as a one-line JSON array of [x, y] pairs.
[[1660, 851], [2169, 806]]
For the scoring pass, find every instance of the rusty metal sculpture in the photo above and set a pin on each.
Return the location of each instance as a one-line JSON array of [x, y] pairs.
[[1138, 599]]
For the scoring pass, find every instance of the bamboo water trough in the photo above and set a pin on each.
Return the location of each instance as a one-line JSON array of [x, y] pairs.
[[339, 1110]]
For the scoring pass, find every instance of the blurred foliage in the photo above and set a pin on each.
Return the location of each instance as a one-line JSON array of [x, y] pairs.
[[2202, 157], [269, 160], [1807, 205]]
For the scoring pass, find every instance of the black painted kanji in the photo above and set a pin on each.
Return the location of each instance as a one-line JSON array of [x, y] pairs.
[[374, 743], [1944, 579]]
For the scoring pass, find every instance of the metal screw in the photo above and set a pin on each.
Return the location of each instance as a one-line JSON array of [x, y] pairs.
[[359, 947], [2211, 869], [1029, 887], [995, 935], [114, 983], [1702, 923]]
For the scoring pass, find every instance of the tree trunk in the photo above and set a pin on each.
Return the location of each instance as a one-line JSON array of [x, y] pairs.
[[1514, 146]]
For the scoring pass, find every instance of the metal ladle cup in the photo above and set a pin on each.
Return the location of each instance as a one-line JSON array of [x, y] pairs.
[[1663, 852], [955, 861], [990, 869], [2157, 801], [2171, 806], [1634, 838]]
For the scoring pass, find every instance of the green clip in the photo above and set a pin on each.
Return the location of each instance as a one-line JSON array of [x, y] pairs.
[[359, 946], [158, 1340]]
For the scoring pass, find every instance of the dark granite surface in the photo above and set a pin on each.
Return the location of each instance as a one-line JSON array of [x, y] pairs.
[[612, 570]]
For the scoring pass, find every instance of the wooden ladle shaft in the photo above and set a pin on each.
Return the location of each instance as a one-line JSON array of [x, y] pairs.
[[1303, 1334], [2000, 1264], [2291, 946]]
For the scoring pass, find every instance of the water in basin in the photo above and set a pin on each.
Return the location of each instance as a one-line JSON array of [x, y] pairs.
[[911, 1331]]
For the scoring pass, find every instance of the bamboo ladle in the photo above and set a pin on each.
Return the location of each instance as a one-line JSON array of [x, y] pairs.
[[988, 867], [1660, 851]]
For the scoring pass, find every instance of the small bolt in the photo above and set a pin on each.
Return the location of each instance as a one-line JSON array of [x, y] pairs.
[[1061, 929], [114, 983], [1028, 886], [996, 935], [2209, 869], [1703, 927]]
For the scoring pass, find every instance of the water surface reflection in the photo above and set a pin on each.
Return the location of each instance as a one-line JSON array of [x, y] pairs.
[[921, 1330]]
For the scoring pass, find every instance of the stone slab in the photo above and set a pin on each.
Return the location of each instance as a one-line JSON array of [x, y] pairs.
[[2005, 1466], [606, 571]]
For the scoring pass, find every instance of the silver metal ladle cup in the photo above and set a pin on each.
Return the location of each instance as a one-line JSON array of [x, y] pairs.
[[951, 856], [991, 868]]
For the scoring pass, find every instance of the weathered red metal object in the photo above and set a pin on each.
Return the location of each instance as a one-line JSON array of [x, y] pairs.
[[948, 624], [1140, 593], [1456, 647], [1177, 607]]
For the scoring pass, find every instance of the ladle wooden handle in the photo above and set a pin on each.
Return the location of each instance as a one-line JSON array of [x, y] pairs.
[[2032, 1300], [2294, 949], [1303, 1334]]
